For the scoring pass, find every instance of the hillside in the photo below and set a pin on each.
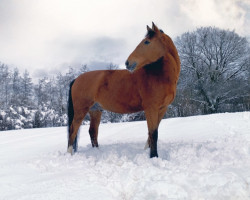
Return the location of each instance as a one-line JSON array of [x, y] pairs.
[[202, 157]]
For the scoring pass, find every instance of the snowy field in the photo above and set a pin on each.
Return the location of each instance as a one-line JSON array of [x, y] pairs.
[[203, 157]]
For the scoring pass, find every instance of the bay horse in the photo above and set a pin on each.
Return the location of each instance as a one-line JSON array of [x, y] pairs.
[[149, 87]]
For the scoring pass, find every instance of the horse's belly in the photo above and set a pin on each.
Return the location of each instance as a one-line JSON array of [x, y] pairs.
[[120, 107], [120, 104], [117, 92]]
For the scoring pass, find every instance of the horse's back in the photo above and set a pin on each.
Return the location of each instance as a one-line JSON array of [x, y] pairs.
[[114, 90], [94, 80]]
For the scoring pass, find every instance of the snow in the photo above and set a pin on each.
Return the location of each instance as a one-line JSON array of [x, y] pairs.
[[201, 157]]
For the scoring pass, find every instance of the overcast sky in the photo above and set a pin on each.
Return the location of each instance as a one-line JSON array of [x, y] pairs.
[[49, 35]]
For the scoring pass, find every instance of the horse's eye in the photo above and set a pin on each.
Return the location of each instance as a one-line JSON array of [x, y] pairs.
[[146, 42]]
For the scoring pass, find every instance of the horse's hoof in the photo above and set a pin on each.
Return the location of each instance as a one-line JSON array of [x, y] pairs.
[[70, 150], [153, 154]]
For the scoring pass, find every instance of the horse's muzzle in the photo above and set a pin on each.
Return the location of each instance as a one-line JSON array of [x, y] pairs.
[[129, 66]]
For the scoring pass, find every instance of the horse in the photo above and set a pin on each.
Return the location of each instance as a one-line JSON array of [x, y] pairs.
[[148, 84]]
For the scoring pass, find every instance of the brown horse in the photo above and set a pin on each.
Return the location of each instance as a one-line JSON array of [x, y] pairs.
[[150, 87]]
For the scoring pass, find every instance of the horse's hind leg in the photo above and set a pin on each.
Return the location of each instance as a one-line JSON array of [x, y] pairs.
[[73, 130], [95, 119]]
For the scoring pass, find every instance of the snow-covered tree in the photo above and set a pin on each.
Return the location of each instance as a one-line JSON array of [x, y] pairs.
[[26, 88], [5, 86], [16, 88], [82, 69], [214, 63]]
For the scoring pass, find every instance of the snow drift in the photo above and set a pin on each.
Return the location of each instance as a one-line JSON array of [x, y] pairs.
[[202, 157]]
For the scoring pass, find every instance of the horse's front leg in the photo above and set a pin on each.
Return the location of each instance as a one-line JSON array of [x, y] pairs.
[[161, 114], [153, 143], [152, 122]]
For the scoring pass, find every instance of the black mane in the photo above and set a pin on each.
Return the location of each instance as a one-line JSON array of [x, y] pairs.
[[155, 68]]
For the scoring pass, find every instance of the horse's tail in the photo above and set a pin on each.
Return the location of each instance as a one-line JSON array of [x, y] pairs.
[[70, 106], [71, 113]]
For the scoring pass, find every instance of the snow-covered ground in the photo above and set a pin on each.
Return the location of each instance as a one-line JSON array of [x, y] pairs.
[[203, 157]]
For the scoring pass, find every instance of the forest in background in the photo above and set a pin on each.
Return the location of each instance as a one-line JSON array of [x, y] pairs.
[[215, 77]]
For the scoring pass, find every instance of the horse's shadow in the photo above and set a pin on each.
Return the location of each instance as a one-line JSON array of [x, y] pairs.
[[130, 151], [168, 151]]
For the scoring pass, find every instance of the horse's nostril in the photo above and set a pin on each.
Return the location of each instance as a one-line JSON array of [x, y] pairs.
[[127, 63]]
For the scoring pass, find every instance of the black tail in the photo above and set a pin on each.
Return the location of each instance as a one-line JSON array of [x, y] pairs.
[[70, 106], [71, 115]]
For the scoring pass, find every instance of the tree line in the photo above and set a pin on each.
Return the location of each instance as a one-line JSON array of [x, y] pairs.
[[215, 77]]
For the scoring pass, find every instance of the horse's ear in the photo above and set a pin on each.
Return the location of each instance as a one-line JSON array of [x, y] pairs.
[[150, 32], [149, 29], [154, 27]]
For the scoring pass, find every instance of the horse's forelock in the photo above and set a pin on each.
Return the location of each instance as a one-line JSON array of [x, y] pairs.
[[150, 34]]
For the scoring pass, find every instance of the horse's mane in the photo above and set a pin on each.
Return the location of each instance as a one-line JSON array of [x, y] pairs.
[[155, 68]]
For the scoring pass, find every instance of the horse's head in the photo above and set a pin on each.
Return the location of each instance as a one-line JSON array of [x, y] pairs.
[[149, 50]]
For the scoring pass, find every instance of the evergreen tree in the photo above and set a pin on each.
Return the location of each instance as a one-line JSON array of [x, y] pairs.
[[5, 86], [16, 92], [60, 105], [26, 88]]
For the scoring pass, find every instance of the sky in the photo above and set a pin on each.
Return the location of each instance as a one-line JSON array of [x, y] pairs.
[[48, 36]]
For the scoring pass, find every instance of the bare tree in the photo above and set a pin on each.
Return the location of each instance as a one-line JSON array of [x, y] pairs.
[[214, 63], [112, 66]]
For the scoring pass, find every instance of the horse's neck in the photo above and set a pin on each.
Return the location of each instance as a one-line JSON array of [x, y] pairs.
[[165, 68], [155, 68]]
